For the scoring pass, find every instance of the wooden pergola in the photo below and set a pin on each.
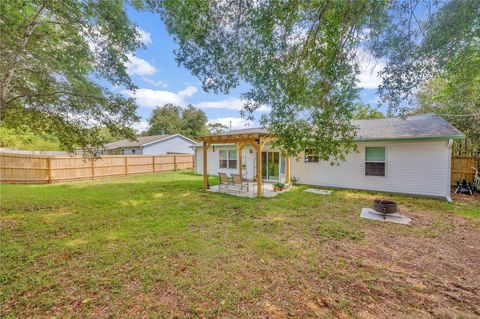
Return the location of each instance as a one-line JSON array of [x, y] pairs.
[[240, 139]]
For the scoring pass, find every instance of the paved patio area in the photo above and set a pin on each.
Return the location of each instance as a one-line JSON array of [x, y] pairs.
[[252, 190]]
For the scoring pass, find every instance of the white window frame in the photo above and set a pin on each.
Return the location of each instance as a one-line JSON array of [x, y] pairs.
[[384, 161], [228, 158]]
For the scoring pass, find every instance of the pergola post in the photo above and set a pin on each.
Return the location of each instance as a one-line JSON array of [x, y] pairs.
[[287, 170], [239, 150], [259, 168], [205, 172]]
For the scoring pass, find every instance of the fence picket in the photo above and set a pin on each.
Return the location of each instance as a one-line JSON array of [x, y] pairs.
[[462, 168], [36, 169]]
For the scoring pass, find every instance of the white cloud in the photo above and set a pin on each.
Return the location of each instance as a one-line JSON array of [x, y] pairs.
[[137, 66], [228, 104], [157, 83], [145, 36], [152, 98], [235, 122], [188, 91], [140, 126], [369, 68]]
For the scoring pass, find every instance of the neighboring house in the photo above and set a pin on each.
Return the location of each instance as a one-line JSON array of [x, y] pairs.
[[410, 156], [147, 145]]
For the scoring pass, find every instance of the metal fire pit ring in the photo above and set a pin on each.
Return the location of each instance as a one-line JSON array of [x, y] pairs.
[[385, 206]]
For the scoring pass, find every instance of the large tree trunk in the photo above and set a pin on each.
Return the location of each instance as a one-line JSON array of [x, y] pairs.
[[9, 71]]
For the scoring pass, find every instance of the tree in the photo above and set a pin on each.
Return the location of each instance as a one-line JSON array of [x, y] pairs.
[[22, 138], [216, 128], [173, 119], [53, 54], [433, 61], [423, 42], [366, 111], [165, 120], [194, 121], [298, 56], [457, 99]]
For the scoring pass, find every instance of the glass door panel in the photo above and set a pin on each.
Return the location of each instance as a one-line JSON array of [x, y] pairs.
[[264, 165], [273, 165], [270, 165]]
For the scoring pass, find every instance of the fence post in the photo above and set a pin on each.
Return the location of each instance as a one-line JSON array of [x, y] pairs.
[[93, 168], [174, 162], [153, 161], [126, 166], [49, 163]]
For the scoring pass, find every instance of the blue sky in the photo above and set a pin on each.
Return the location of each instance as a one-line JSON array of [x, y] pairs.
[[160, 80]]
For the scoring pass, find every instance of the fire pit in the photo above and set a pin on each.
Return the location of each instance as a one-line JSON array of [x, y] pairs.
[[385, 206]]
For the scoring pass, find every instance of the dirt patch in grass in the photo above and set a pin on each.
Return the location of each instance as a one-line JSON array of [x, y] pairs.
[[435, 276], [469, 199]]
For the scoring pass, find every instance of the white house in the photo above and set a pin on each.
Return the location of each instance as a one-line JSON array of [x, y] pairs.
[[148, 145], [409, 156]]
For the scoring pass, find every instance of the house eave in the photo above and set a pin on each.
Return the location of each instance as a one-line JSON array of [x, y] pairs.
[[419, 138]]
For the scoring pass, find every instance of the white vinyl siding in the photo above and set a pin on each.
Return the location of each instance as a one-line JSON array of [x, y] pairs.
[[124, 151], [213, 160], [174, 144], [412, 167]]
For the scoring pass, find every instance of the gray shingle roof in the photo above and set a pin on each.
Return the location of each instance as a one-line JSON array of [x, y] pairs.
[[141, 140], [423, 126]]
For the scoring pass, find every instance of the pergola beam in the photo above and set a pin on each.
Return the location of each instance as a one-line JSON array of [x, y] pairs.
[[260, 144], [205, 168], [231, 141], [287, 169], [240, 159]]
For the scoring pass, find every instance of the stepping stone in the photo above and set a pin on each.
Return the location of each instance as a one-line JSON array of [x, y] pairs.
[[369, 213], [318, 191]]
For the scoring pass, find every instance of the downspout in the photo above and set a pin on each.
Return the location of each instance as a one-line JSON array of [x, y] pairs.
[[449, 181]]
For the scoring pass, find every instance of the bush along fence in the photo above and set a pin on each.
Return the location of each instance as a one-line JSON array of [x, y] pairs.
[[36, 169], [462, 168]]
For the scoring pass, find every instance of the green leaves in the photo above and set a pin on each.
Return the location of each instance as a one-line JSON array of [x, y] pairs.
[[298, 58], [366, 111], [422, 41], [53, 55], [173, 119], [434, 61]]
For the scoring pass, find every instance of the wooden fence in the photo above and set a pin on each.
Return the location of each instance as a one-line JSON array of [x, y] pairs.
[[462, 168], [35, 169]]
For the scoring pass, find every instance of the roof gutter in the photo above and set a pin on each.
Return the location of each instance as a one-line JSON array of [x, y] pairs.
[[448, 137]]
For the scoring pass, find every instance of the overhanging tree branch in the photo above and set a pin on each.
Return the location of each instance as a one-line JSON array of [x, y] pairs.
[[10, 69]]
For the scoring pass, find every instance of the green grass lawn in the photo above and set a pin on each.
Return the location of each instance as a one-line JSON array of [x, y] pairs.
[[159, 246]]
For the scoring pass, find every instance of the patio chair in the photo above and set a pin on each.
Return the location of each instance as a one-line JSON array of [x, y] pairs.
[[238, 182], [224, 182]]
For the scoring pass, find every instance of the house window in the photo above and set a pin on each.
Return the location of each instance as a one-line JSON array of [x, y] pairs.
[[123, 151], [133, 151], [228, 159], [310, 157], [375, 161]]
